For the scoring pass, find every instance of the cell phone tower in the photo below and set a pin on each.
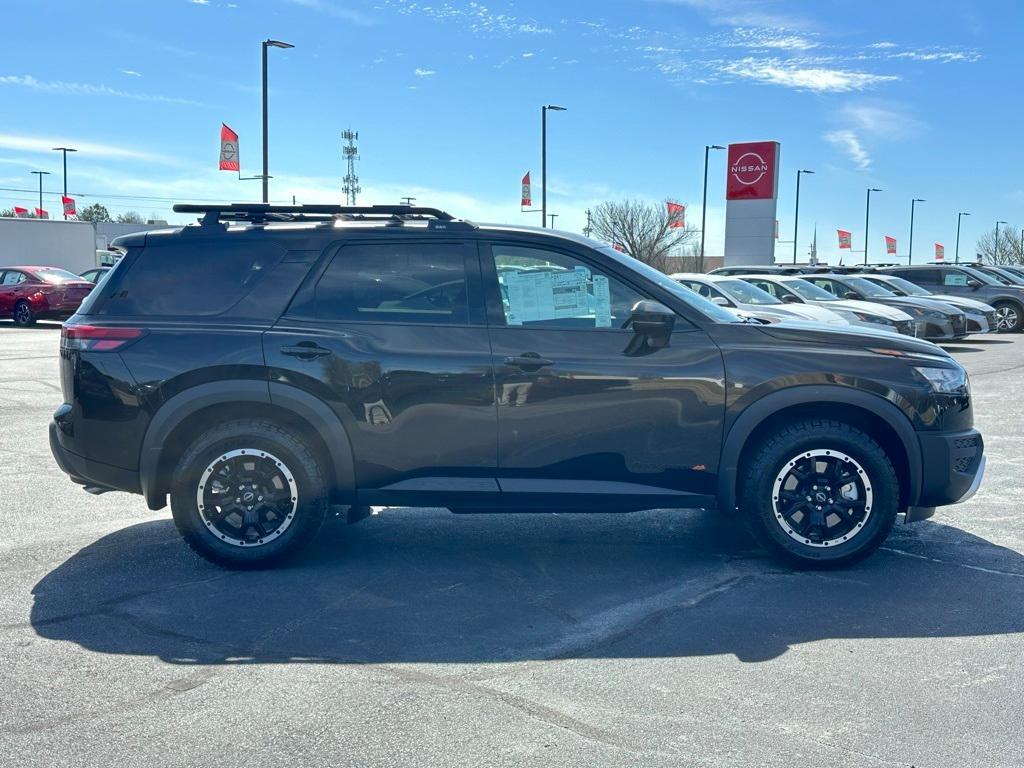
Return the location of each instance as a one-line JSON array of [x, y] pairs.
[[350, 184]]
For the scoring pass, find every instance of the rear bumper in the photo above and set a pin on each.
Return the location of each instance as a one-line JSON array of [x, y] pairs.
[[88, 472], [953, 465]]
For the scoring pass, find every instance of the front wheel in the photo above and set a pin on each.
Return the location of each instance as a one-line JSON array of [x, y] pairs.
[[820, 493], [23, 314], [1009, 317], [248, 494]]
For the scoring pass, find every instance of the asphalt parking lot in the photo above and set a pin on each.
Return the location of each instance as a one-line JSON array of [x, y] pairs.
[[421, 638]]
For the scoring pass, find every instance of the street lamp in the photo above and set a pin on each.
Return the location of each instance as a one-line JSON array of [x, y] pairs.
[[867, 220], [796, 214], [995, 248], [544, 160], [65, 150], [910, 251], [266, 149], [40, 174], [704, 204], [959, 216]]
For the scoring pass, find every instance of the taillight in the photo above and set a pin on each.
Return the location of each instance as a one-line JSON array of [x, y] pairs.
[[96, 339]]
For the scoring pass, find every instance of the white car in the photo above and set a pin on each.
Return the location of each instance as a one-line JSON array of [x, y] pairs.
[[734, 293]]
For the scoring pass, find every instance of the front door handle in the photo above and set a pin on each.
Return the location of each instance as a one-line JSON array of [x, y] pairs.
[[528, 361], [306, 350]]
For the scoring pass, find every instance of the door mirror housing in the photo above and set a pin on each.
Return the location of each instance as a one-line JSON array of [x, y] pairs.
[[721, 301], [973, 284], [789, 298], [850, 295], [653, 321]]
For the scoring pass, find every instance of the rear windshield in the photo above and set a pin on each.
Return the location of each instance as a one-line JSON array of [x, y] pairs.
[[56, 276], [190, 278]]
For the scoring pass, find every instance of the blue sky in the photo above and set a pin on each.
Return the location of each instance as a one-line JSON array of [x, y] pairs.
[[919, 98]]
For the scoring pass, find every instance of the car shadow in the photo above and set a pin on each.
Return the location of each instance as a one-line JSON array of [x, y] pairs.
[[957, 349], [428, 586], [971, 340]]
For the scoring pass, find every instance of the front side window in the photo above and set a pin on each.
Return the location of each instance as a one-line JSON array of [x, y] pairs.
[[395, 283], [547, 289], [746, 293]]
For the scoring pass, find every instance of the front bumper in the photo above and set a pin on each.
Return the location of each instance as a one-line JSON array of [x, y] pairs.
[[953, 465], [933, 329], [981, 323]]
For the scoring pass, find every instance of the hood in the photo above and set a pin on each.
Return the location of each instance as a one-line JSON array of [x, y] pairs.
[[816, 313], [970, 305], [889, 313], [915, 302], [852, 336]]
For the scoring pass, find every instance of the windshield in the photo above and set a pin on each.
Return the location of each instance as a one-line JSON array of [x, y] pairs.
[[1009, 277], [808, 291], [981, 277], [904, 285], [56, 276], [663, 281], [745, 293], [867, 287]]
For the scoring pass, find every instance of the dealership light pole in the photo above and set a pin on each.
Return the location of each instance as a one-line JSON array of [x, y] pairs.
[[40, 174], [910, 250], [266, 149], [956, 257], [995, 247], [796, 214], [544, 160], [867, 220], [704, 204], [65, 150]]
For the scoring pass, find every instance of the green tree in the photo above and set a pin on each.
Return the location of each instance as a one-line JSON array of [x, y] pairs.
[[130, 217], [95, 212]]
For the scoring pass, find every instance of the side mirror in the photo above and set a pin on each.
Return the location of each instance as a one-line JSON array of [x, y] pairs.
[[973, 284], [653, 321], [721, 301], [850, 295], [789, 298], [898, 292]]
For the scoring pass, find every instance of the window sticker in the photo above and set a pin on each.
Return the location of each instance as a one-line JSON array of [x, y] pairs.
[[538, 296], [602, 302], [955, 278]]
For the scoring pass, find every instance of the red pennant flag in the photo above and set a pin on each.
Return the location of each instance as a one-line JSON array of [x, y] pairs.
[[228, 149], [69, 206], [21, 213], [619, 247], [676, 215], [940, 252], [845, 239], [41, 214], [890, 245], [527, 199]]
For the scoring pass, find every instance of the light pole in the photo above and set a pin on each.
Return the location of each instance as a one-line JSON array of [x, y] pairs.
[[704, 204], [910, 251], [552, 216], [544, 160], [796, 214], [956, 257], [995, 247], [867, 220], [266, 149], [40, 174], [65, 150]]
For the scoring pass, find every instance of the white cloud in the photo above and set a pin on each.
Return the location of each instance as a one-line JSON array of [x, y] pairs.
[[529, 55], [333, 9], [765, 37], [38, 144], [882, 44], [130, 72], [477, 17], [421, 72], [759, 13], [199, 2], [87, 89], [881, 119], [794, 74], [848, 141]]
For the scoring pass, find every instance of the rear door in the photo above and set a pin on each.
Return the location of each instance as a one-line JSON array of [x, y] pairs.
[[391, 334], [11, 283], [585, 415]]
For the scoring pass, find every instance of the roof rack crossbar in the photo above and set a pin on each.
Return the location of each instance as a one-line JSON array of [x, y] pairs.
[[264, 212]]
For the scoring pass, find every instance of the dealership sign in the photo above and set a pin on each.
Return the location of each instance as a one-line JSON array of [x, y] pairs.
[[752, 171], [751, 195]]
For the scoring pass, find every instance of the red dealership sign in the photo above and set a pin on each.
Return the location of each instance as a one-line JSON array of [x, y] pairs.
[[752, 168], [527, 199], [228, 149]]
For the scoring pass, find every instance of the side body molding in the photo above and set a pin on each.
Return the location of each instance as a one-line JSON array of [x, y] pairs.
[[757, 412], [302, 404]]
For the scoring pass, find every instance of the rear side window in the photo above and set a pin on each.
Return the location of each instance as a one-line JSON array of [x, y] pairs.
[[395, 283], [188, 278]]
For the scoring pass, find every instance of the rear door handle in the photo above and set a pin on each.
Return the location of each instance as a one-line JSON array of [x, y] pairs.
[[528, 361], [306, 350]]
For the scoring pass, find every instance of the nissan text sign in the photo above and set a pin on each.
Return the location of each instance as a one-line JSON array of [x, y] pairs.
[[751, 189]]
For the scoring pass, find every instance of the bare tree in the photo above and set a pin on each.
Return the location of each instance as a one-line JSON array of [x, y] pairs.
[[1010, 249], [642, 230], [130, 217]]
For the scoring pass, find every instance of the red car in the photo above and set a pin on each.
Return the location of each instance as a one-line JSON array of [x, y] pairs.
[[28, 294]]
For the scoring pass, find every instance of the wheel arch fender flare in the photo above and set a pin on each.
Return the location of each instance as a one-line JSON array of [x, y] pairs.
[[762, 409]]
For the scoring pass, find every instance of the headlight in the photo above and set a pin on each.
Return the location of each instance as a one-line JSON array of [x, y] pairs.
[[947, 381]]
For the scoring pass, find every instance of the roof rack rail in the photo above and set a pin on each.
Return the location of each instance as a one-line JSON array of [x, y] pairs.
[[262, 213]]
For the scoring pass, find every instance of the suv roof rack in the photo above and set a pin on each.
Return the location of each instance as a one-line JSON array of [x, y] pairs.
[[262, 213]]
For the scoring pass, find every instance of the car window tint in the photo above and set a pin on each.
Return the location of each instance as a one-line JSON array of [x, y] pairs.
[[395, 283], [547, 289]]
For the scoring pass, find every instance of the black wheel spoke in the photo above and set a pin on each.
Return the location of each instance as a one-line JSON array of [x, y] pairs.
[[249, 498], [810, 502]]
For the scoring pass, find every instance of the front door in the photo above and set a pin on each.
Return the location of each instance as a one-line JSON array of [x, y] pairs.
[[583, 410]]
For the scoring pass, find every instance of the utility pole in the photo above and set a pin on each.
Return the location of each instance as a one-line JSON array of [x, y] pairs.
[[40, 174], [704, 205], [910, 251], [65, 150], [408, 200], [867, 220], [552, 216], [544, 160], [350, 184], [796, 213], [995, 248], [957, 251], [266, 147], [588, 229]]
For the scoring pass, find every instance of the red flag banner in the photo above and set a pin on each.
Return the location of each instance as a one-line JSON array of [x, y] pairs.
[[228, 149], [940, 252], [890, 245], [527, 199], [676, 215], [845, 239], [41, 214], [619, 247], [69, 205], [21, 213]]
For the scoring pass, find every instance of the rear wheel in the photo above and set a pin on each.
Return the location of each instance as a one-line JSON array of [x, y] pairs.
[[23, 314], [248, 494], [1009, 317], [819, 492]]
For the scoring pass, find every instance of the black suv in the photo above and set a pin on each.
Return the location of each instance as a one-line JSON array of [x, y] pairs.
[[272, 361], [961, 280]]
